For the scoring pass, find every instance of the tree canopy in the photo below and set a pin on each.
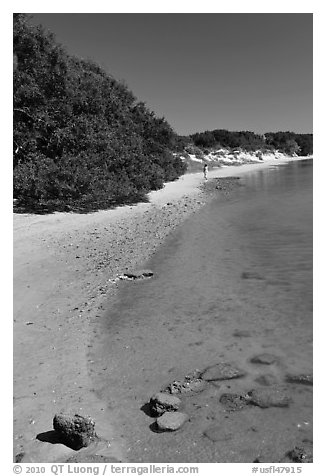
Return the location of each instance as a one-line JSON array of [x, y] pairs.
[[81, 138], [287, 142]]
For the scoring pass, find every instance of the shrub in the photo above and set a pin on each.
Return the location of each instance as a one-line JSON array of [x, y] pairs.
[[80, 136]]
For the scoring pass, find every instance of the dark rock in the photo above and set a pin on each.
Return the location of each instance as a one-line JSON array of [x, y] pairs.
[[266, 380], [239, 333], [233, 401], [268, 397], [171, 421], [301, 454], [305, 379], [215, 433], [192, 383], [163, 402], [76, 431], [19, 457], [139, 274], [251, 275], [266, 359], [222, 371]]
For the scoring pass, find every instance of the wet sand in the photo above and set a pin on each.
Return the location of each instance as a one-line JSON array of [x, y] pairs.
[[65, 270]]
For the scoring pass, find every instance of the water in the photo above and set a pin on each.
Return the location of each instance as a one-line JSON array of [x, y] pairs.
[[234, 281]]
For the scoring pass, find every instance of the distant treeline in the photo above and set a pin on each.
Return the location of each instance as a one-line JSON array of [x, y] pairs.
[[287, 142], [81, 139]]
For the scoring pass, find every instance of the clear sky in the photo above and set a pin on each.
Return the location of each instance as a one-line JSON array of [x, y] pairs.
[[203, 71]]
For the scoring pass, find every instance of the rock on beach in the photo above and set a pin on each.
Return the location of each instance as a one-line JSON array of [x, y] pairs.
[[76, 431]]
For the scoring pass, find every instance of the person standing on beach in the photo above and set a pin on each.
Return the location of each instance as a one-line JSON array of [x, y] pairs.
[[205, 171]]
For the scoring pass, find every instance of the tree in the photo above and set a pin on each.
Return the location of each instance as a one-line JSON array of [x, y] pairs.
[[80, 136], [291, 147]]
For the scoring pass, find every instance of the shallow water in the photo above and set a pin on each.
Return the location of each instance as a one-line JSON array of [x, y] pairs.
[[233, 281]]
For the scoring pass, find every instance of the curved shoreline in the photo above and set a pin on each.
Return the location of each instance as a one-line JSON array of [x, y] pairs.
[[65, 267]]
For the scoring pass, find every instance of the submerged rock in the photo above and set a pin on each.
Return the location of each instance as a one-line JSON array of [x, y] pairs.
[[171, 421], [305, 379], [266, 359], [138, 274], [192, 383], [233, 401], [76, 431], [216, 433], [268, 397], [163, 402], [301, 454], [266, 380], [222, 371], [242, 333], [251, 275]]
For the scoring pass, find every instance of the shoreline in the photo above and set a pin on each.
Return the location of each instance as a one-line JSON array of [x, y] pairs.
[[65, 267]]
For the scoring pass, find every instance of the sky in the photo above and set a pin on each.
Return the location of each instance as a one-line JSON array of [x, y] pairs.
[[203, 71]]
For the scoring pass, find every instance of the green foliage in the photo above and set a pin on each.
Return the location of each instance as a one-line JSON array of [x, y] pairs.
[[81, 139], [245, 140], [287, 142], [290, 142]]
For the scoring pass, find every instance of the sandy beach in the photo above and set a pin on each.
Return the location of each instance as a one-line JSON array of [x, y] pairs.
[[66, 268]]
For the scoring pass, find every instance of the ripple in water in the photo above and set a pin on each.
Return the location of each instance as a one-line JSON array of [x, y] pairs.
[[234, 281]]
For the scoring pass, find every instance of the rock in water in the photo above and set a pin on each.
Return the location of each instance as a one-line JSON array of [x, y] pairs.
[[305, 379], [266, 359], [268, 397], [233, 401], [222, 371], [163, 402], [301, 454], [139, 274], [171, 421], [216, 433], [251, 275], [76, 431], [266, 380], [192, 383], [242, 333]]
